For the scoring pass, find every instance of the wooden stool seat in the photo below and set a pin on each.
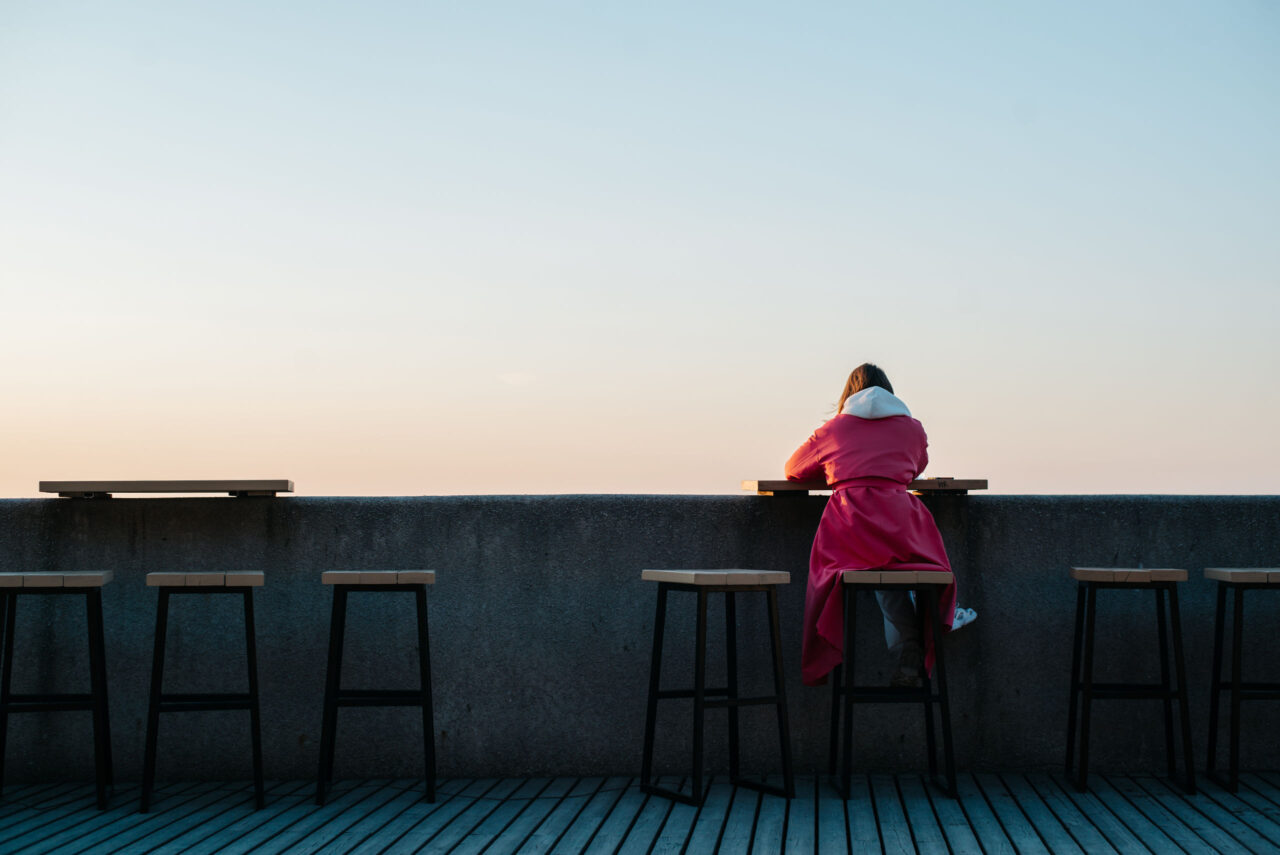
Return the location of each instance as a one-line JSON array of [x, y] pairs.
[[87, 584], [237, 583], [1235, 580], [720, 578], [378, 577], [908, 578], [1241, 575], [74, 579], [203, 579], [345, 583], [702, 583], [926, 585], [1127, 575], [1163, 583]]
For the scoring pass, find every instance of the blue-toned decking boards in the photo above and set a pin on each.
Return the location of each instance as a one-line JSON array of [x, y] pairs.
[[996, 813]]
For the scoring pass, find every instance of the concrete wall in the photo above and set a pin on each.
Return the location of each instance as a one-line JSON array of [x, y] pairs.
[[540, 628]]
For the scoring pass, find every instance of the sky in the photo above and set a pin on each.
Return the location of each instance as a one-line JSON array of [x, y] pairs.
[[419, 248]]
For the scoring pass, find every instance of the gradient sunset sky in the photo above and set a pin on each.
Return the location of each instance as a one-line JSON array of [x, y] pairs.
[[394, 248]]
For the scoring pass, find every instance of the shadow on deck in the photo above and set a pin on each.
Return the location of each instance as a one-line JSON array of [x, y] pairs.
[[1022, 813]]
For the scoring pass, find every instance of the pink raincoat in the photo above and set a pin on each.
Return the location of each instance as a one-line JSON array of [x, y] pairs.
[[871, 521]]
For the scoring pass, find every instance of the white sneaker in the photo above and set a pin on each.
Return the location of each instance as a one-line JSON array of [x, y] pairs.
[[963, 617]]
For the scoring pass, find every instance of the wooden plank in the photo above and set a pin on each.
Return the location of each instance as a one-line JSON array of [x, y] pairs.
[[279, 796], [253, 833], [769, 487], [735, 838], [241, 485], [578, 834], [675, 830], [802, 817], [121, 823], [921, 819], [36, 800], [950, 815], [1168, 823], [982, 820], [420, 822], [613, 830], [308, 818], [524, 825], [465, 821], [1265, 783], [162, 829], [1087, 819], [1109, 800], [1218, 827], [1249, 808], [549, 831], [771, 820], [648, 822], [860, 816], [1015, 824], [706, 830], [1045, 822], [305, 839], [895, 834], [293, 803], [832, 829], [392, 820], [1264, 794], [502, 816]]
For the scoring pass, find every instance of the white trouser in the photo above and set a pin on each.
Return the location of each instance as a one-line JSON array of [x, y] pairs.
[[899, 619]]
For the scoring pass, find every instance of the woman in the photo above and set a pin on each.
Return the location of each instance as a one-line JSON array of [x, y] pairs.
[[868, 453]]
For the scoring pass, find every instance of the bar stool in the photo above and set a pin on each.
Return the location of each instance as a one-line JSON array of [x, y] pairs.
[[925, 584], [89, 585], [345, 582], [237, 583], [1084, 690], [702, 583], [1236, 580]]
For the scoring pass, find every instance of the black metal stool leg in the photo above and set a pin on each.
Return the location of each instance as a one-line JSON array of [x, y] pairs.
[[98, 692], [255, 718], [1086, 687], [153, 704], [1184, 711], [780, 690], [1219, 627], [10, 604], [655, 679], [731, 664], [333, 680], [924, 602], [699, 695], [1077, 645], [1237, 649], [1165, 684], [944, 702], [424, 673], [850, 626], [834, 743]]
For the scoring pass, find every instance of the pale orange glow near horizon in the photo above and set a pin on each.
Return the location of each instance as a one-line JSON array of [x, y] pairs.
[[399, 249]]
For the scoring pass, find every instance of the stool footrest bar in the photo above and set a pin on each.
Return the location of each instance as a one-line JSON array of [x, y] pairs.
[[47, 703], [380, 698]]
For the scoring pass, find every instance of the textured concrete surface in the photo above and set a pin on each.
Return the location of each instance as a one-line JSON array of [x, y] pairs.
[[540, 628]]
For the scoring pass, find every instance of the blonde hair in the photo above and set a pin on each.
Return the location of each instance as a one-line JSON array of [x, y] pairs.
[[864, 376]]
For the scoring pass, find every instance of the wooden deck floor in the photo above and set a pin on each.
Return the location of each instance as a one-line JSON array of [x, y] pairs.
[[997, 813]]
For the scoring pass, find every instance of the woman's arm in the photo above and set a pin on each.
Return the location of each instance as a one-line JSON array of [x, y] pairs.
[[806, 463]]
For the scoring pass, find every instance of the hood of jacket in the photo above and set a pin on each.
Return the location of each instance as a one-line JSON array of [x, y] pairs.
[[874, 403]]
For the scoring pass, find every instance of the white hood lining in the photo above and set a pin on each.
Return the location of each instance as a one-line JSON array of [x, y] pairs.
[[874, 403]]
